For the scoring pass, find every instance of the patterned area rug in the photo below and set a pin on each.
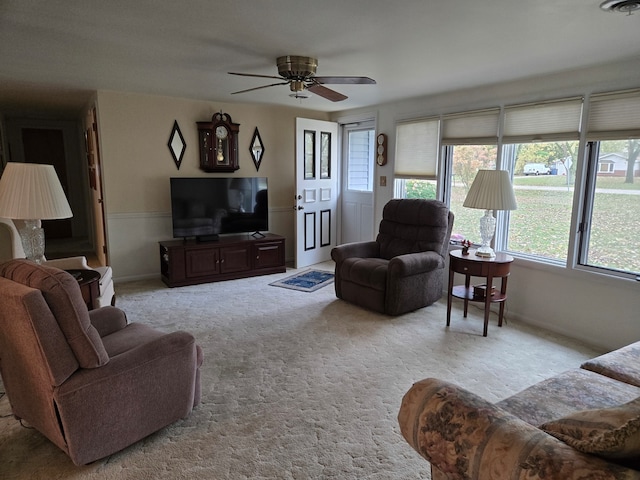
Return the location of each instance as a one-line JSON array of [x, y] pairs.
[[307, 281]]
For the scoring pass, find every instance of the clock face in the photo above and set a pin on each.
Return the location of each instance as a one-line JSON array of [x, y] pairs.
[[381, 139], [221, 132], [380, 149]]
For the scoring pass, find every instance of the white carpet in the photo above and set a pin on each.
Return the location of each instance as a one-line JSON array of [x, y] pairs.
[[299, 385]]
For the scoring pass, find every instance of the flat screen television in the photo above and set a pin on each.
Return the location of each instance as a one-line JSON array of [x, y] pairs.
[[205, 208]]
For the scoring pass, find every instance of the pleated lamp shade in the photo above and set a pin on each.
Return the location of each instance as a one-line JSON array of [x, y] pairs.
[[491, 190], [32, 191]]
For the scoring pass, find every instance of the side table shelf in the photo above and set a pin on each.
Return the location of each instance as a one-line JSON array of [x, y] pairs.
[[488, 268]]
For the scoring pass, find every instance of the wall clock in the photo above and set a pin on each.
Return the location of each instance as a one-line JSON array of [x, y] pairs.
[[219, 144], [381, 149]]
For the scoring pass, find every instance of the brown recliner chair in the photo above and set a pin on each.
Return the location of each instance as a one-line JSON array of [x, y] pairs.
[[403, 269], [88, 381]]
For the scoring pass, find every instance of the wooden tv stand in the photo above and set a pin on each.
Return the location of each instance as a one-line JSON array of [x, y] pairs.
[[188, 262]]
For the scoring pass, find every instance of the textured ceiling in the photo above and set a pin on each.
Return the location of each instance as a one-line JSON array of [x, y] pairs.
[[54, 54]]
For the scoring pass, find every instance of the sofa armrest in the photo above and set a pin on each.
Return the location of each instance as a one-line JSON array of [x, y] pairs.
[[69, 263], [355, 249], [107, 320], [415, 263], [464, 436]]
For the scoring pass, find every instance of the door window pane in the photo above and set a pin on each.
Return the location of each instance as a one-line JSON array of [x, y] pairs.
[[361, 149], [309, 154], [325, 155]]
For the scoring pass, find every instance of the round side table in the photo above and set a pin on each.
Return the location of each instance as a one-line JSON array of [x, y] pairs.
[[473, 266]]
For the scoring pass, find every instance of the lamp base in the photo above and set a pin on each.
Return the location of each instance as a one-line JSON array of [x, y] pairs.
[[485, 252], [32, 237]]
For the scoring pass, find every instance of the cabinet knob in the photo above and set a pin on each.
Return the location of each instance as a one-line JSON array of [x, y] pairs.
[[465, 268]]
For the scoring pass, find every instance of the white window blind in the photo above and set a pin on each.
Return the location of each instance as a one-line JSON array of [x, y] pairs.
[[614, 116], [471, 128], [417, 149], [548, 121]]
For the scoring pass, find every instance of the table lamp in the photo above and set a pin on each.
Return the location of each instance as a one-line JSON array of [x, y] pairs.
[[490, 190], [32, 192]]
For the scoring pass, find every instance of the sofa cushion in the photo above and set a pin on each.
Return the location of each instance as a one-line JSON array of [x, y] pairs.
[[622, 364], [62, 294], [608, 432], [566, 393]]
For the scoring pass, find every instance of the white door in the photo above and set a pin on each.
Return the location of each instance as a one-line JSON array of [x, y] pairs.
[[358, 153], [316, 190]]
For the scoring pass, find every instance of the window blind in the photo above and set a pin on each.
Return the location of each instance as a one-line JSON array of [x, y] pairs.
[[471, 128], [548, 121], [614, 116], [417, 149]]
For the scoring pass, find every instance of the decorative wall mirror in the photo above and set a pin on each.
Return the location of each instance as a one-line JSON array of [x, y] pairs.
[[176, 144], [256, 148]]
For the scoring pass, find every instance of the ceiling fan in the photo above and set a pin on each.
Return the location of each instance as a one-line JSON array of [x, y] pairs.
[[300, 74]]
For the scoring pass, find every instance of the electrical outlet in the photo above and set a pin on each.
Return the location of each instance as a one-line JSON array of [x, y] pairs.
[[383, 180]]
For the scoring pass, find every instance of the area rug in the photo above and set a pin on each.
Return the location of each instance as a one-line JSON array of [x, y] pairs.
[[307, 281]]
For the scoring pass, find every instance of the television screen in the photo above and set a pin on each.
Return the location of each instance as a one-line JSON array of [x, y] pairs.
[[207, 207]]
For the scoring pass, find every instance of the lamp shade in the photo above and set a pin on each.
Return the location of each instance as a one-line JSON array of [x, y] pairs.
[[491, 190], [32, 191]]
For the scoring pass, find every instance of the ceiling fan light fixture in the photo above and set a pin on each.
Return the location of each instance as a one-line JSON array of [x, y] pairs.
[[297, 86], [621, 6]]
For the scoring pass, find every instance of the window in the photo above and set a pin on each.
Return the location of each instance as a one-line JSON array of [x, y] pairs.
[[541, 225], [610, 223], [544, 134], [613, 225], [466, 160], [577, 186], [470, 141], [416, 159]]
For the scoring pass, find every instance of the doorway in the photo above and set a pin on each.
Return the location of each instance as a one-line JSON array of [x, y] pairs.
[[46, 146]]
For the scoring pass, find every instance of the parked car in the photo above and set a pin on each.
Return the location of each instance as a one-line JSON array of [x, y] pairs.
[[536, 169]]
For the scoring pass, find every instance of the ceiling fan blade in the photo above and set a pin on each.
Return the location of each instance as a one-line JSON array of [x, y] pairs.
[[326, 93], [258, 88], [254, 75], [345, 80]]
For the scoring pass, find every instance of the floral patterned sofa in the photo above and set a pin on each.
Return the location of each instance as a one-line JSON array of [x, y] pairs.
[[582, 424]]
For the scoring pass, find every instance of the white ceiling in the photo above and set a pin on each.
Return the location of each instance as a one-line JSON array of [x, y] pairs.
[[54, 54]]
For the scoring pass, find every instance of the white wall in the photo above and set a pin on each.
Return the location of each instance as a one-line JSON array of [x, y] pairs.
[[134, 130], [602, 311]]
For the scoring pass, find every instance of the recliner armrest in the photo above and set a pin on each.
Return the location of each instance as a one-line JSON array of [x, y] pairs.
[[465, 436], [415, 263], [356, 249], [107, 320]]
